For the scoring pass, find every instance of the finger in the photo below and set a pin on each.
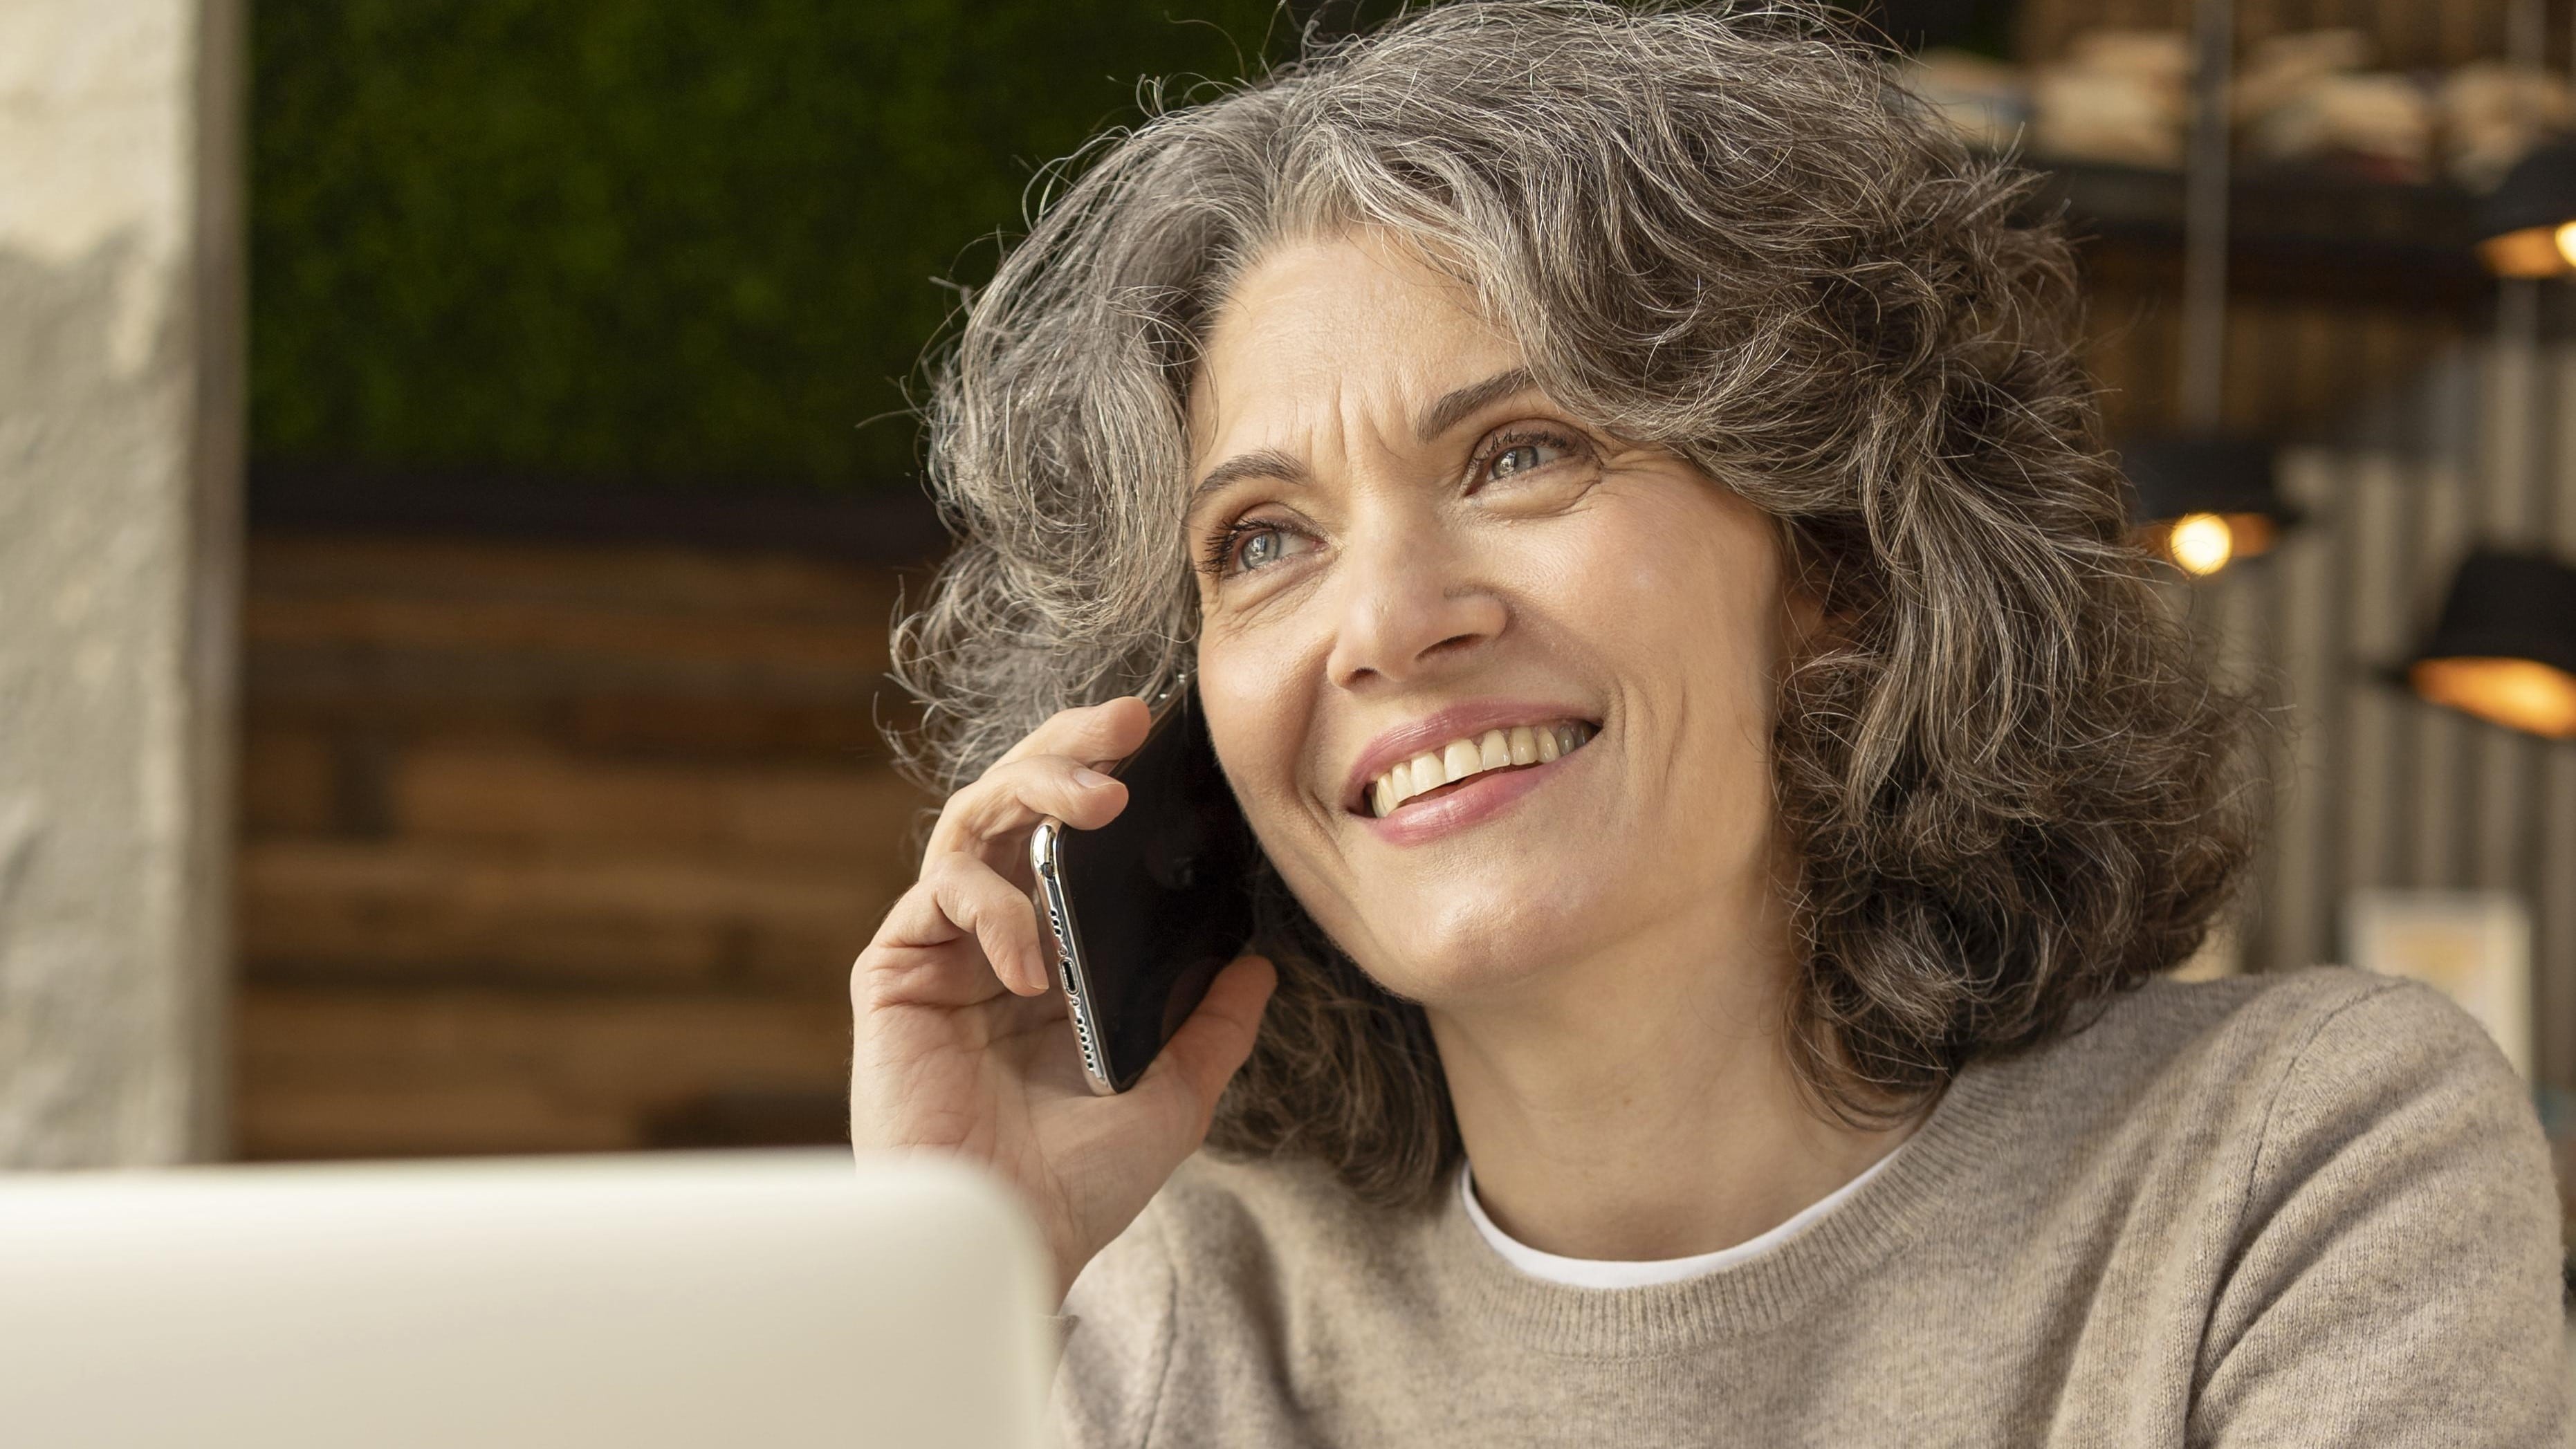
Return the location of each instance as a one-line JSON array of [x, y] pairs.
[[1097, 733], [1013, 797], [959, 896], [1004, 920], [1212, 1045]]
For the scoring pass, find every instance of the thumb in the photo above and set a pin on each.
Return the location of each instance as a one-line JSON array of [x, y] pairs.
[[1204, 1054]]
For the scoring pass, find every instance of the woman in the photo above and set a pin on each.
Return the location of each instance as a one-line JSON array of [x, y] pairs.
[[1772, 1059]]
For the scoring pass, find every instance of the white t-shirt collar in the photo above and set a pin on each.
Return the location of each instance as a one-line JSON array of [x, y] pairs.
[[1609, 1273]]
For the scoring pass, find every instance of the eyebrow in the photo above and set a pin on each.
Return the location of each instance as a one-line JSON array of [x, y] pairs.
[[1259, 463], [1456, 407]]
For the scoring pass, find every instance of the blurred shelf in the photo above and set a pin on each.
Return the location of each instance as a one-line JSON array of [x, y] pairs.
[[2309, 233]]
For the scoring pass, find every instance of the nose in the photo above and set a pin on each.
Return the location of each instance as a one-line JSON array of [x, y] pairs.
[[1409, 604]]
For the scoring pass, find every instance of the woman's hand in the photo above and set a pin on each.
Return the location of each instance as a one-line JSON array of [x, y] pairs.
[[962, 1042]]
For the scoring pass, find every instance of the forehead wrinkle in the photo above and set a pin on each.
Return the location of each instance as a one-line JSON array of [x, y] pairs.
[[1354, 379], [1279, 460]]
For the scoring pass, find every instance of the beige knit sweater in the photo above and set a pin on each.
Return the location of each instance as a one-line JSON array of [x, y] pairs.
[[2297, 1210]]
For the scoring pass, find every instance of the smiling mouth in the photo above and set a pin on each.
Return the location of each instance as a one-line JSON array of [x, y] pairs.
[[1436, 772]]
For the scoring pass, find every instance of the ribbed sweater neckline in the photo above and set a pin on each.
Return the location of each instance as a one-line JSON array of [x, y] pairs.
[[1935, 1168]]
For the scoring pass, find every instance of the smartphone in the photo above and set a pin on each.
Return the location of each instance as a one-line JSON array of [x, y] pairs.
[[1142, 912]]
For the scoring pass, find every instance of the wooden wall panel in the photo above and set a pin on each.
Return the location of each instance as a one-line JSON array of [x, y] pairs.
[[553, 848]]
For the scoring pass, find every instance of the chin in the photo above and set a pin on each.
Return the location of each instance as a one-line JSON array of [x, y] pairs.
[[1473, 943]]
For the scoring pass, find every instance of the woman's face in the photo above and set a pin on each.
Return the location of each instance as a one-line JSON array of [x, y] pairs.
[[1410, 555]]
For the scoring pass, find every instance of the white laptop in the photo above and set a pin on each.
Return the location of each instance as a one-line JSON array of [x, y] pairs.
[[771, 1299]]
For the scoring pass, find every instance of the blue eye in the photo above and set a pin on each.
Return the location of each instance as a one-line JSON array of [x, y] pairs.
[[1253, 544], [1266, 546], [1524, 455]]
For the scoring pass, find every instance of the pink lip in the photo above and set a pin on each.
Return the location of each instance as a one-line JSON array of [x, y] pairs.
[[1482, 796], [1458, 721]]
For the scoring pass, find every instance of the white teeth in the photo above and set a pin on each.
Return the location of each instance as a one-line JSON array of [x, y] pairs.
[[1460, 760], [1496, 749], [1427, 774]]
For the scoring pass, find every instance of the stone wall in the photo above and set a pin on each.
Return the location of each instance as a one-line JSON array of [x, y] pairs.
[[119, 465]]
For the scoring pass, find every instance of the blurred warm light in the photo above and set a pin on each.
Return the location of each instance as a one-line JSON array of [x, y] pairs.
[[2534, 251], [2529, 219], [2520, 694], [2201, 543], [2253, 533]]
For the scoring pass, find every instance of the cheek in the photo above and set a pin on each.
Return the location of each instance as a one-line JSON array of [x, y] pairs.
[[1682, 591], [1258, 717], [1683, 605]]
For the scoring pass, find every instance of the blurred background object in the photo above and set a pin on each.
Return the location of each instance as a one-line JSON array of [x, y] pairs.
[[2402, 95], [2504, 646], [2494, 114], [2308, 96], [2121, 96], [2527, 225], [582, 488], [2206, 500], [1985, 101]]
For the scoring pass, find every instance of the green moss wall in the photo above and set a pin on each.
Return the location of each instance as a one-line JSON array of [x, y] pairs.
[[674, 240]]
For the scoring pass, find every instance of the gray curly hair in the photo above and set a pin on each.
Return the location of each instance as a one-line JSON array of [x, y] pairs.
[[2008, 785]]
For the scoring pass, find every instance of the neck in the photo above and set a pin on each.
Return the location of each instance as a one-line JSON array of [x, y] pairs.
[[1641, 1105]]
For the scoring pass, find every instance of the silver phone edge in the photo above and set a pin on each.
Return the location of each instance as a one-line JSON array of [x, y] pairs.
[[1062, 937]]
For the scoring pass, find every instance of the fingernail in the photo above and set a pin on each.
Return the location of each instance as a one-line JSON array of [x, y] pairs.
[[1089, 778]]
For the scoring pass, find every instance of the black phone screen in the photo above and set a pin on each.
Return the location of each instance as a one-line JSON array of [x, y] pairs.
[[1161, 897]]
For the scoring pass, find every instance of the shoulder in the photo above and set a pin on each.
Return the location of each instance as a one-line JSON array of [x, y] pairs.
[[2356, 1086], [2240, 1095], [2253, 1039], [2336, 1175], [2262, 1008], [2392, 1242]]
